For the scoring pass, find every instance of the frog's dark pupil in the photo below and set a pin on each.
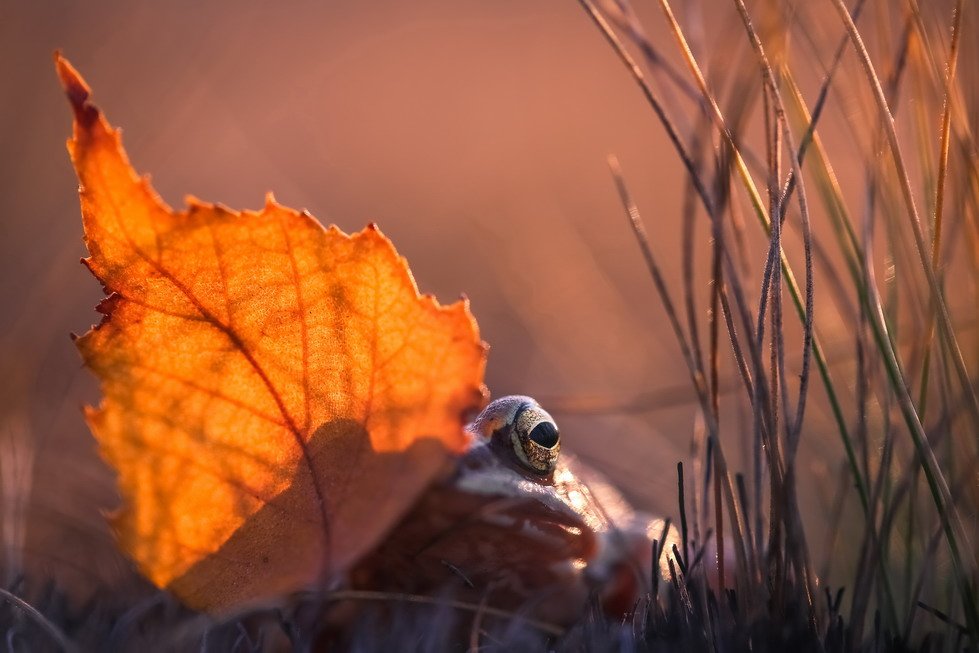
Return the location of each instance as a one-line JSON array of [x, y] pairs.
[[545, 434]]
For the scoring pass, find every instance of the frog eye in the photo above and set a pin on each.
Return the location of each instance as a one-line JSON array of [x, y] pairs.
[[535, 438]]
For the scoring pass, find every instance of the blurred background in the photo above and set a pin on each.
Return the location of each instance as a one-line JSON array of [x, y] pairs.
[[474, 133]]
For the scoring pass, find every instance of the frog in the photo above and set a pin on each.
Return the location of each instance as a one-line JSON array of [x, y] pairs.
[[521, 525]]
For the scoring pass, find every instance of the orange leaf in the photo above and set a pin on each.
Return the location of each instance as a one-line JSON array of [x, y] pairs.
[[276, 394]]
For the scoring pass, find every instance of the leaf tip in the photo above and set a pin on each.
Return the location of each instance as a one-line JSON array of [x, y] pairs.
[[76, 89]]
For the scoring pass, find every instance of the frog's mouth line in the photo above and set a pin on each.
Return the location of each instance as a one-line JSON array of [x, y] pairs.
[[560, 533]]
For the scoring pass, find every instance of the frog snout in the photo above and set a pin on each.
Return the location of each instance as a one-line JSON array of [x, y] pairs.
[[622, 568]]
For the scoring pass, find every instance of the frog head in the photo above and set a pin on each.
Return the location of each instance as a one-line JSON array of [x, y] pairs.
[[519, 522]]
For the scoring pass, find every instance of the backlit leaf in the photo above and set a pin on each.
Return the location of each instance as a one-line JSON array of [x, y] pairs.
[[276, 394]]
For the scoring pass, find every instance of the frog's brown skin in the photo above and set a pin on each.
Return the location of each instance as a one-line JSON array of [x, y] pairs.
[[507, 525]]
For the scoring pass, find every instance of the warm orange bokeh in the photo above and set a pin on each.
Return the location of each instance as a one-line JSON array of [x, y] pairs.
[[264, 380]]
